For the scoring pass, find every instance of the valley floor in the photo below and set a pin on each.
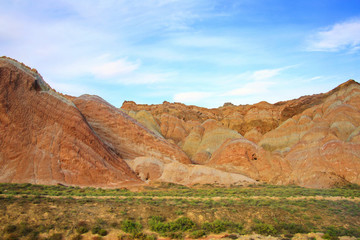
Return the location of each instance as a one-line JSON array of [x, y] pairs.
[[173, 211]]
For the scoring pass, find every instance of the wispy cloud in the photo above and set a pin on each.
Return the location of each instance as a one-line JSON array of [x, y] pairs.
[[250, 89], [341, 36], [144, 78], [257, 82], [191, 97], [252, 83], [114, 68]]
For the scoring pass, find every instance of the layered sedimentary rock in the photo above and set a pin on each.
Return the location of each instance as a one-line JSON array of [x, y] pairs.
[[123, 134], [311, 141], [50, 138], [151, 169], [45, 139]]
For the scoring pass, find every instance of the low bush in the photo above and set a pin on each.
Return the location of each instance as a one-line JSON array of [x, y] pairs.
[[292, 228], [264, 229], [219, 226], [99, 230], [82, 227], [158, 224], [130, 226], [197, 234]]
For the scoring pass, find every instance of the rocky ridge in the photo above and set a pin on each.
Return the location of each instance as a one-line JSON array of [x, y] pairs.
[[312, 141]]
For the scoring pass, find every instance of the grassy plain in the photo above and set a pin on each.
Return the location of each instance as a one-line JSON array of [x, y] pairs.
[[173, 211]]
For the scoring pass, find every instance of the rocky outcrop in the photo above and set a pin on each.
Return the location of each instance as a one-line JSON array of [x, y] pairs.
[[45, 139], [245, 157], [150, 169], [124, 135]]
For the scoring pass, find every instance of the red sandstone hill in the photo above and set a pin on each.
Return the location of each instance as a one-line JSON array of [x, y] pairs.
[[50, 138], [45, 139]]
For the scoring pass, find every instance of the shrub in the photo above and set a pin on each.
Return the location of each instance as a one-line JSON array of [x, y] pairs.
[[130, 226], [157, 224], [219, 226], [102, 232], [264, 229], [99, 230], [293, 228], [82, 227], [175, 235], [96, 229], [182, 224], [197, 234]]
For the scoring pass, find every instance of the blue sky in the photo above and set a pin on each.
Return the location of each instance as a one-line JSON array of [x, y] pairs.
[[200, 52]]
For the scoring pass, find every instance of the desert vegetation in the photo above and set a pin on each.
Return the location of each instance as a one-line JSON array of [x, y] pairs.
[[174, 211]]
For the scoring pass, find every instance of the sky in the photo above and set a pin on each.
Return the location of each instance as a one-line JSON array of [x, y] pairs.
[[198, 52]]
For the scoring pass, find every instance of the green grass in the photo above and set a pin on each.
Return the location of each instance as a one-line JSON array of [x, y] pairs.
[[32, 212], [174, 190]]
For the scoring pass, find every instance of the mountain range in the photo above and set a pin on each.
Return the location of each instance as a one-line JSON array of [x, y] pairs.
[[50, 138]]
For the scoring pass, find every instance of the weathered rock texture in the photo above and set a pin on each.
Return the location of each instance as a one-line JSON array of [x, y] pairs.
[[45, 139], [50, 138], [312, 141]]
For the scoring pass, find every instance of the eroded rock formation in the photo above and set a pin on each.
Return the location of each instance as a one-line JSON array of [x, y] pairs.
[[45, 139], [312, 141], [50, 138]]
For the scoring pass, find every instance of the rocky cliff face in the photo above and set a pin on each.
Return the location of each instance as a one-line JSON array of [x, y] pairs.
[[49, 138]]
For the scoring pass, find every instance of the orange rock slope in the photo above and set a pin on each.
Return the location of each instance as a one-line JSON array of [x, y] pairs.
[[50, 138], [45, 139], [312, 141]]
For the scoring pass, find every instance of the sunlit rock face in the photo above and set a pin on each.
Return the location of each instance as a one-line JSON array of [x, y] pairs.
[[50, 138], [45, 139], [312, 141]]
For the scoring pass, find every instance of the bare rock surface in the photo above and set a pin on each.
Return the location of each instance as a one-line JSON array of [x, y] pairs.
[[124, 135], [50, 138], [44, 138], [312, 141]]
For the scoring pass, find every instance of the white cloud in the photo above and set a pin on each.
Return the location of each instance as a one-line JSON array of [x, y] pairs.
[[114, 68], [340, 36], [144, 78], [257, 82], [265, 74], [191, 97], [251, 88]]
